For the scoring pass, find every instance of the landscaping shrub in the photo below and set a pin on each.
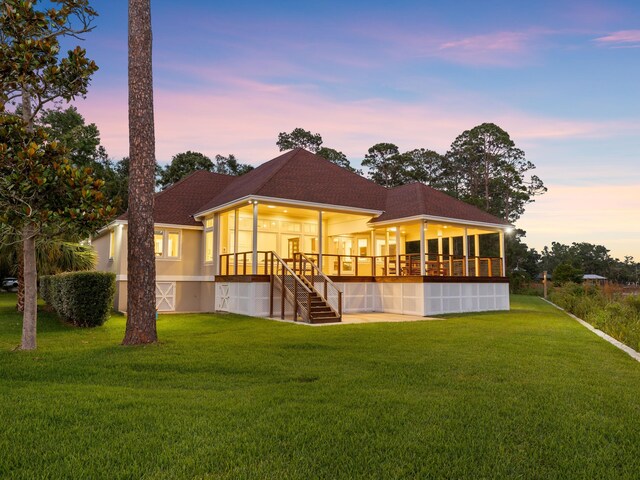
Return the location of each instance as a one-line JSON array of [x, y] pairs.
[[82, 298], [604, 308]]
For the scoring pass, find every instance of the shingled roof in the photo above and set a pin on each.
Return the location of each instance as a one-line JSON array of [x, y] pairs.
[[415, 199], [177, 204], [300, 175]]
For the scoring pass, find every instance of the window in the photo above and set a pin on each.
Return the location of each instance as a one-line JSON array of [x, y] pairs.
[[158, 241], [208, 246], [167, 244], [112, 244]]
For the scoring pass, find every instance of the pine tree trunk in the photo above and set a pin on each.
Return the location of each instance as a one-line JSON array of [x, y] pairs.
[[20, 299], [30, 316], [141, 272]]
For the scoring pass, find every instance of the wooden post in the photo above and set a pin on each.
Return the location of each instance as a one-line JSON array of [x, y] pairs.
[[271, 280], [398, 250], [423, 271], [544, 283], [282, 291], [320, 240], [502, 255], [254, 242], [476, 248], [465, 252], [295, 299], [236, 236]]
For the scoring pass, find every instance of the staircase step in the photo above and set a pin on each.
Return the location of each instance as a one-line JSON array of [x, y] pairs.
[[333, 319], [325, 314]]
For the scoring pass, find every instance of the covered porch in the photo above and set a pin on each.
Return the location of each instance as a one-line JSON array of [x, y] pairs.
[[346, 244]]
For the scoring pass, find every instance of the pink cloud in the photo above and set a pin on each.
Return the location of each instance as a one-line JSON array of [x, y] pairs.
[[621, 38], [245, 116], [500, 48]]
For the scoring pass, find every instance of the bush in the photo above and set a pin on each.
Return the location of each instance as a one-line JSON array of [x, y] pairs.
[[604, 308], [82, 298]]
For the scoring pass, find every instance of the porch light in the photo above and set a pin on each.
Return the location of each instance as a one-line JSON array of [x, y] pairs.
[[285, 211], [271, 206], [509, 230]]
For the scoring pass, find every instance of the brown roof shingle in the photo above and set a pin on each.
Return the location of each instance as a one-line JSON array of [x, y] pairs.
[[177, 204], [301, 175], [416, 199]]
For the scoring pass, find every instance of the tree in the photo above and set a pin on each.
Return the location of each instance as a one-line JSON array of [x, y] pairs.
[[339, 158], [31, 71], [141, 271], [183, 164], [229, 165], [565, 272], [82, 140], [423, 165], [41, 192], [299, 138], [485, 168], [387, 166]]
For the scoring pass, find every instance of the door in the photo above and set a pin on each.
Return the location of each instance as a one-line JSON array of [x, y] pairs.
[[293, 248]]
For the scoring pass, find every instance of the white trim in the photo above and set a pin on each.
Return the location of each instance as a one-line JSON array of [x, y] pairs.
[[616, 343], [285, 201], [452, 221], [174, 278]]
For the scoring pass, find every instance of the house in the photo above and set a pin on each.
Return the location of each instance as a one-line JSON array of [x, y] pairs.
[[300, 237]]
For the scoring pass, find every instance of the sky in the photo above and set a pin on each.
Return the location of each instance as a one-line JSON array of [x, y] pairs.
[[562, 77]]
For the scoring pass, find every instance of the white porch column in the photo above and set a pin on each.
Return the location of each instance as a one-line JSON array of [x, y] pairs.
[[216, 244], [465, 252], [320, 240], [236, 236], [440, 248], [423, 271], [398, 250], [476, 248], [254, 243], [503, 254]]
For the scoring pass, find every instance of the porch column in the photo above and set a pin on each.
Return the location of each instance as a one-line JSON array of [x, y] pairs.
[[465, 252], [476, 248], [254, 256], [236, 236], [398, 250], [502, 254], [423, 271], [440, 248], [216, 244], [320, 240]]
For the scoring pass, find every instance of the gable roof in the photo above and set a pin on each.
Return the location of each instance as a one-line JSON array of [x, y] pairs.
[[176, 204], [303, 176], [415, 199]]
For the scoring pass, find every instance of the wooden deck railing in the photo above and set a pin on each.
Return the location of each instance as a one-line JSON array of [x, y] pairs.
[[406, 264]]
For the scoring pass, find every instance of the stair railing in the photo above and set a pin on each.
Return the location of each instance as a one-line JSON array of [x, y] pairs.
[[293, 290], [319, 282]]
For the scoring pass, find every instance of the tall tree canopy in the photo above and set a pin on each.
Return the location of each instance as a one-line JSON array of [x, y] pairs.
[[229, 165], [485, 168], [183, 164], [32, 73], [387, 166], [299, 138]]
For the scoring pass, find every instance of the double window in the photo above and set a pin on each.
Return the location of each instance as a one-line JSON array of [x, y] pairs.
[[208, 241], [167, 243]]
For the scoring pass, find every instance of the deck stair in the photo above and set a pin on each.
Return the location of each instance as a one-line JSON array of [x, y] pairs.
[[309, 294]]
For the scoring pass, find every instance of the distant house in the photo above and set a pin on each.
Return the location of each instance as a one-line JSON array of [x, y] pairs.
[[303, 238], [594, 279]]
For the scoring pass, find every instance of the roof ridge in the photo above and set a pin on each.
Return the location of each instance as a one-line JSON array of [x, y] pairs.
[[280, 167]]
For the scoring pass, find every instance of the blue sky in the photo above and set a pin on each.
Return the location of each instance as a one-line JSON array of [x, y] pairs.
[[561, 77]]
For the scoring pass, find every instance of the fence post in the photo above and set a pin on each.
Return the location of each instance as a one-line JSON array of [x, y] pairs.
[[295, 300]]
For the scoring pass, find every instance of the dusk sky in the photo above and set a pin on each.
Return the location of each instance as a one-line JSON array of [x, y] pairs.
[[562, 77]]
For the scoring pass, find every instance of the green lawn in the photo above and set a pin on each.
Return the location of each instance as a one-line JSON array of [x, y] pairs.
[[526, 394]]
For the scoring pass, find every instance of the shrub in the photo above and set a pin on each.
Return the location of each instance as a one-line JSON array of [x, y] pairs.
[[82, 298]]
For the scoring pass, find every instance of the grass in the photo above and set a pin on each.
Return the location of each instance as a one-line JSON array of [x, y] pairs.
[[526, 394]]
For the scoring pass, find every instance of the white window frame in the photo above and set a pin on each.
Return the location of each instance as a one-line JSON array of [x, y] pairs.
[[165, 243], [112, 244], [209, 228]]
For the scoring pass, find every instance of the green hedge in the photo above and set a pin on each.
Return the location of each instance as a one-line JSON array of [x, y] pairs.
[[82, 298]]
